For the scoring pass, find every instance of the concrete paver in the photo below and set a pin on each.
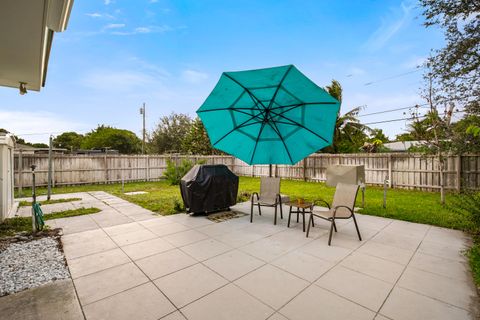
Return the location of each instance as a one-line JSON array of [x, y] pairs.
[[53, 301], [128, 263]]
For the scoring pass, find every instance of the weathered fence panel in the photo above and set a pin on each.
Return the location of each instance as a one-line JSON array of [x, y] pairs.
[[412, 171]]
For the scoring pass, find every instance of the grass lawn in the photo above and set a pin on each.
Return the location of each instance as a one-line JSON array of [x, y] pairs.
[[408, 205], [18, 224], [51, 201]]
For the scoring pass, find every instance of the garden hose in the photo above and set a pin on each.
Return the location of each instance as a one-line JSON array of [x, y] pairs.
[[37, 211]]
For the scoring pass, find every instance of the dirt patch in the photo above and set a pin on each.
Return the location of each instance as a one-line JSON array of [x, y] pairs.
[[225, 215], [30, 236]]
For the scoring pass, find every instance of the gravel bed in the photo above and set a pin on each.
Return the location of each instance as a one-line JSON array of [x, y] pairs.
[[29, 264]]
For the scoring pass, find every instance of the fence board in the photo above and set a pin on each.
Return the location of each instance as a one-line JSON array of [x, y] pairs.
[[412, 171]]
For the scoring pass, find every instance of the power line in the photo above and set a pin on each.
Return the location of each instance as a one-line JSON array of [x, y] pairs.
[[404, 119], [413, 106], [37, 134], [392, 77], [392, 110]]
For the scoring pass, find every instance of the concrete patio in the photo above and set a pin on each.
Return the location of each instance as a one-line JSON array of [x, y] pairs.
[[129, 264]]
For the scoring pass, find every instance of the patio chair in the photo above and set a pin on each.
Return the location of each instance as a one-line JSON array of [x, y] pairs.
[[269, 197], [342, 208]]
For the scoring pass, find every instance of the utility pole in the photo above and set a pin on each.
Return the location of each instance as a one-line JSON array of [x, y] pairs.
[[49, 177], [142, 112]]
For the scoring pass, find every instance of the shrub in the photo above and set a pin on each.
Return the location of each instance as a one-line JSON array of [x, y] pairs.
[[174, 173], [468, 205]]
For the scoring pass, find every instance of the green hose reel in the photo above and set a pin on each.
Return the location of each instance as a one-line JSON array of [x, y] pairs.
[[38, 214]]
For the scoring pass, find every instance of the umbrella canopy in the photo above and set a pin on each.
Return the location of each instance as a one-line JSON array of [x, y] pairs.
[[269, 116]]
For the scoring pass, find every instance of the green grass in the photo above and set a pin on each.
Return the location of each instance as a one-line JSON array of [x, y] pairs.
[[51, 201], [408, 205], [474, 259], [12, 226], [70, 213]]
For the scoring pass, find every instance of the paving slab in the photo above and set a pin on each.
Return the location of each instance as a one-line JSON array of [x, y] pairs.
[[53, 301], [188, 267]]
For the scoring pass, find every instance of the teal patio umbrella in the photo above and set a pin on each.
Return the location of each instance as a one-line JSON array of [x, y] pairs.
[[269, 116]]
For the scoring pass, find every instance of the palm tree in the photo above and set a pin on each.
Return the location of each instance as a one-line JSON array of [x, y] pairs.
[[347, 127]]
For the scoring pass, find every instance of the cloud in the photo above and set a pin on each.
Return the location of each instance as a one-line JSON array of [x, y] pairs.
[[114, 26], [94, 15], [355, 71], [144, 30], [107, 2], [414, 62], [119, 80], [36, 126], [193, 76], [391, 24], [98, 15]]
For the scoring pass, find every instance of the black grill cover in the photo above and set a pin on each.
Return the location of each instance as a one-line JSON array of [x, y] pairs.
[[208, 188]]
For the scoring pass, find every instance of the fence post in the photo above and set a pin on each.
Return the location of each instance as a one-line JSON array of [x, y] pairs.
[[305, 169], [106, 167], [390, 177], [253, 170], [148, 168], [20, 173], [458, 166]]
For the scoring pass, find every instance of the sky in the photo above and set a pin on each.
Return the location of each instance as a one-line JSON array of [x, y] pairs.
[[117, 54]]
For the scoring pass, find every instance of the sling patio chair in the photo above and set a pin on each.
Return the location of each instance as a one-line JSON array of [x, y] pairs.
[[269, 197], [343, 207]]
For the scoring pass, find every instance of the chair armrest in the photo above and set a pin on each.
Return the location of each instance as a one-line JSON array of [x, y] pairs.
[[336, 207], [278, 198], [322, 201], [254, 194]]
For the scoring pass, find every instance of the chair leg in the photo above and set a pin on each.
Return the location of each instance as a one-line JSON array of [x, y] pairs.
[[289, 216], [356, 226], [334, 225], [331, 231], [275, 218], [297, 214], [259, 210], [281, 211], [310, 222], [303, 214], [251, 213]]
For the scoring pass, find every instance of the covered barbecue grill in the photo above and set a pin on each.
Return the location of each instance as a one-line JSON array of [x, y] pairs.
[[207, 188]]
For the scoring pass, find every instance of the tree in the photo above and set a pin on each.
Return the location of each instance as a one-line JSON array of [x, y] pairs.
[[169, 133], [124, 141], [378, 135], [68, 140], [437, 125], [350, 134], [465, 134], [456, 66], [196, 141]]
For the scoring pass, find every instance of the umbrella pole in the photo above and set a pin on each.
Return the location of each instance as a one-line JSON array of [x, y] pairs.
[[269, 170]]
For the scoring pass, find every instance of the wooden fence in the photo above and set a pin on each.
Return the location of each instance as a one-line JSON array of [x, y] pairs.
[[411, 171]]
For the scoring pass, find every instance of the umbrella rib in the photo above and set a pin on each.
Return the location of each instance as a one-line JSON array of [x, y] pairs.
[[299, 125], [246, 89], [222, 109], [279, 85], [283, 140], [256, 141], [302, 104], [243, 124]]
